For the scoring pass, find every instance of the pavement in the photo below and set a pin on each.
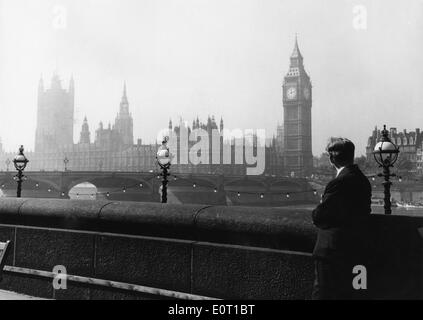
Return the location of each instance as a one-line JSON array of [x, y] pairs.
[[9, 295]]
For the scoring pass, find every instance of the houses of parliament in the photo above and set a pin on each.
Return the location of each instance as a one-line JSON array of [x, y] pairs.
[[113, 149]]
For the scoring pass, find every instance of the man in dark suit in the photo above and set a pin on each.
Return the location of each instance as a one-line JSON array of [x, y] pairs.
[[341, 219]]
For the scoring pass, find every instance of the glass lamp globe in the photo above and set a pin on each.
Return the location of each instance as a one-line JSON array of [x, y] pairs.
[[20, 160], [385, 153], [163, 156]]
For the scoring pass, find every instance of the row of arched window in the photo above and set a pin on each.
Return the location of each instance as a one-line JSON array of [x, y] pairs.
[[404, 141]]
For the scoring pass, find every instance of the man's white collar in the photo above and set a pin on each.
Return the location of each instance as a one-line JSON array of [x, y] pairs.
[[338, 170]]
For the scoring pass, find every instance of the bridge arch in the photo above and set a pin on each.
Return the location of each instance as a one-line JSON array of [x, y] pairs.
[[119, 186], [117, 181], [78, 192]]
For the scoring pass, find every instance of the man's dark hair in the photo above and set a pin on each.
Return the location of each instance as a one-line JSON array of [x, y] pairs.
[[341, 151]]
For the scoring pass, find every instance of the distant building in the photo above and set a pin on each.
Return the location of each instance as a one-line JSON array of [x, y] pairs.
[[274, 153], [297, 101], [55, 116], [112, 147], [214, 150], [419, 160], [279, 139], [409, 144], [274, 159]]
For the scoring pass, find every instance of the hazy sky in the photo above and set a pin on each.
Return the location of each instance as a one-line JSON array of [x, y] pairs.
[[224, 57]]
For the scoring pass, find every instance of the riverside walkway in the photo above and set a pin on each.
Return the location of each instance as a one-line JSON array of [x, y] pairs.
[[9, 295]]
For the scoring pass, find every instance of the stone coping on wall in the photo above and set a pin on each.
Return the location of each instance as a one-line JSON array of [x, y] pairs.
[[275, 228]]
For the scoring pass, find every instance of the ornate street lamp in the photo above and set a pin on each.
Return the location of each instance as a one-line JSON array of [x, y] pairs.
[[20, 162], [7, 163], [163, 159], [66, 161], [386, 154]]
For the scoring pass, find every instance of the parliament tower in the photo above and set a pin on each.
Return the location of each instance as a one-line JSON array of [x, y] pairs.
[[297, 101], [124, 124], [55, 116]]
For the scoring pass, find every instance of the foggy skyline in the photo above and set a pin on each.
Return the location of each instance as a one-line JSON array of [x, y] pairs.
[[225, 58]]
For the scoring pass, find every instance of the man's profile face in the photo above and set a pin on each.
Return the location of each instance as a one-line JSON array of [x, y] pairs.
[[331, 161]]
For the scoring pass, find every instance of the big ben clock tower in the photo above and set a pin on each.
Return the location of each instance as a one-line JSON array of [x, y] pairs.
[[297, 97]]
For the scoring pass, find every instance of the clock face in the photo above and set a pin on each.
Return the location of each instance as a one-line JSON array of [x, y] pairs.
[[291, 93], [306, 93]]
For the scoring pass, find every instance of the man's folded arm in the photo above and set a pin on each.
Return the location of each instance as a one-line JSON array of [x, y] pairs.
[[328, 213]]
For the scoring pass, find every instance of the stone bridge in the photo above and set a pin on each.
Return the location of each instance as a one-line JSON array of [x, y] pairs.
[[185, 188]]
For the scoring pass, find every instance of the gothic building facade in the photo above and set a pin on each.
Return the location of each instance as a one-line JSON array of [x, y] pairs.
[[212, 151], [297, 101], [112, 147]]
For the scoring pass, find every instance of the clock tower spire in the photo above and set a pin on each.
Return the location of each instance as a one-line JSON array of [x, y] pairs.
[[296, 54], [297, 153]]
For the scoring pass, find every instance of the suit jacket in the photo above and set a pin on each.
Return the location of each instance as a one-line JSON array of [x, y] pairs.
[[341, 215]]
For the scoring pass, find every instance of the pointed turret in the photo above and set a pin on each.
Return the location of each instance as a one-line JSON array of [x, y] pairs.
[[124, 122], [71, 85], [296, 58], [124, 96], [85, 137], [296, 54], [296, 67], [124, 105]]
